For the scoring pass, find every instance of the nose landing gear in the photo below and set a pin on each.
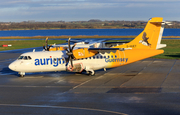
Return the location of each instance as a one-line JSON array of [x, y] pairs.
[[21, 74]]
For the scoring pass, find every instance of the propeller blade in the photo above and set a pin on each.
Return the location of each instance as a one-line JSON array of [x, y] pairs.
[[70, 50], [46, 42], [43, 47], [72, 56], [48, 47], [73, 46], [70, 53], [71, 61], [67, 61], [65, 48]]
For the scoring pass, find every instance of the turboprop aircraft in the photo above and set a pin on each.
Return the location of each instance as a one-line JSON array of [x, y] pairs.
[[145, 45]]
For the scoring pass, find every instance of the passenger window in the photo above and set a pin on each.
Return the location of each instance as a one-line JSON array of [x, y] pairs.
[[115, 56], [104, 56], [94, 57], [101, 57], [111, 56], [89, 57], [97, 57]]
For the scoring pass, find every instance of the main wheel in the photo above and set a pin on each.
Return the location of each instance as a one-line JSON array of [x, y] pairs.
[[91, 73]]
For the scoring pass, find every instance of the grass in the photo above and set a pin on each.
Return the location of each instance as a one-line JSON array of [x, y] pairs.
[[66, 37], [172, 51], [19, 44]]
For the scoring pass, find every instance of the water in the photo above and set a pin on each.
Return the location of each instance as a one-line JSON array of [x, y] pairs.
[[89, 32]]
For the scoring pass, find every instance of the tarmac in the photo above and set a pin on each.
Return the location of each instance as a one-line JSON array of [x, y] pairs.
[[150, 86]]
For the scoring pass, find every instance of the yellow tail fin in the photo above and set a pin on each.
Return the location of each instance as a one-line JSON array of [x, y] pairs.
[[149, 38]]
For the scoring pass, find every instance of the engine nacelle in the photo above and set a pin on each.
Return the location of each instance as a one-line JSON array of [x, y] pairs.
[[76, 67], [83, 53]]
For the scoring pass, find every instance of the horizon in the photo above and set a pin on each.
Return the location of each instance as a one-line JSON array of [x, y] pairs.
[[31, 21]]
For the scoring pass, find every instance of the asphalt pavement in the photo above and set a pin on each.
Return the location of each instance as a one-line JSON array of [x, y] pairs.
[[150, 86]]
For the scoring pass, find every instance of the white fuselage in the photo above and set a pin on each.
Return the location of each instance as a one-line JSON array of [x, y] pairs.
[[45, 61]]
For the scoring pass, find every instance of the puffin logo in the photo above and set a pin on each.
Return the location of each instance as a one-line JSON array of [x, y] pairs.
[[145, 40]]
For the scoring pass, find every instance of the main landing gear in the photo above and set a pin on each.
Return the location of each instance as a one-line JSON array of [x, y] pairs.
[[90, 72]]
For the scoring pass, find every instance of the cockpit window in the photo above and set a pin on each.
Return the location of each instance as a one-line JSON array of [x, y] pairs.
[[21, 57], [24, 58], [29, 57]]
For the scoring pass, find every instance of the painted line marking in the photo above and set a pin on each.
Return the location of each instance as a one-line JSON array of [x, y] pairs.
[[62, 107]]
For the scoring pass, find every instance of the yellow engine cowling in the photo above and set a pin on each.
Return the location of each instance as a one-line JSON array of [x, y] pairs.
[[83, 53], [56, 48]]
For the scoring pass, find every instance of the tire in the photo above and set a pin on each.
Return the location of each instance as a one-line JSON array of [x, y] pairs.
[[20, 75], [91, 73]]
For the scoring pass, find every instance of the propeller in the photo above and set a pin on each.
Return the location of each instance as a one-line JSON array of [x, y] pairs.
[[46, 47], [70, 52]]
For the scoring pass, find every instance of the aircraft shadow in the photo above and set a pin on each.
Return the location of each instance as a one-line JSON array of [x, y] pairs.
[[7, 71], [174, 56]]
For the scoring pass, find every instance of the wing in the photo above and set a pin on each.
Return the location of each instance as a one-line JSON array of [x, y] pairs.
[[89, 52], [91, 43], [111, 44], [105, 50]]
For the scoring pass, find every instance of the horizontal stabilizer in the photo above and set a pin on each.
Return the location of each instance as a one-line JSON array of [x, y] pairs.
[[163, 22], [161, 46]]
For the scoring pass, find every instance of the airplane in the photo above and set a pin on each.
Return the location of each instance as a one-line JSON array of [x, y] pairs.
[[89, 59]]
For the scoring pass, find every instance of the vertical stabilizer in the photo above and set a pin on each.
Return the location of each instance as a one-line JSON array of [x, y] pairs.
[[150, 37]]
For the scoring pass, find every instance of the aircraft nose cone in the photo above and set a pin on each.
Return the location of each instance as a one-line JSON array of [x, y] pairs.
[[12, 66]]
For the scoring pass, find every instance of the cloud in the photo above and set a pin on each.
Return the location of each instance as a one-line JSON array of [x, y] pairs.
[[52, 10], [78, 4]]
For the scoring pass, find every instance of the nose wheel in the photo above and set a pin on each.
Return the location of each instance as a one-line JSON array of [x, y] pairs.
[[21, 74]]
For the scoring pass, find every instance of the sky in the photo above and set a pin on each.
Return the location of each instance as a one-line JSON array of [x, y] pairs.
[[84, 10]]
